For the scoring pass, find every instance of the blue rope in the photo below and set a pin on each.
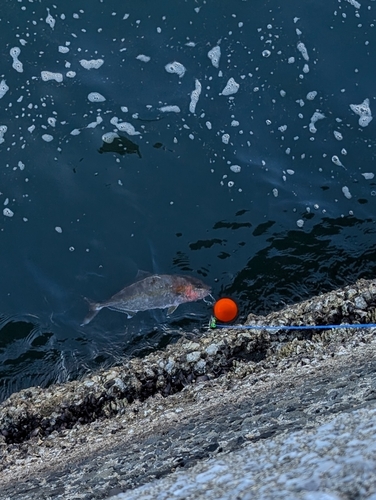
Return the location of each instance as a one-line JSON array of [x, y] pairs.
[[296, 327]]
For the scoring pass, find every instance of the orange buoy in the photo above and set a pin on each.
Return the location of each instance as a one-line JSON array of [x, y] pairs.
[[225, 310]]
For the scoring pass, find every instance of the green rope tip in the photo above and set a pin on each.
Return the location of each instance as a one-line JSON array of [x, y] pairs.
[[213, 322]]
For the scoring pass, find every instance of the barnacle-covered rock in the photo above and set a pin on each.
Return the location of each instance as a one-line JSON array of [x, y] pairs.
[[37, 413]]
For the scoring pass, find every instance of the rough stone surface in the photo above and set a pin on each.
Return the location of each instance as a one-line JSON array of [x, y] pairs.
[[335, 461], [200, 398]]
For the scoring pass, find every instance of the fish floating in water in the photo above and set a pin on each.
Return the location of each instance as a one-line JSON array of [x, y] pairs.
[[158, 291]]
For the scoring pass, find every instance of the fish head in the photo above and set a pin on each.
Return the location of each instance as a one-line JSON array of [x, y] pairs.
[[191, 289]]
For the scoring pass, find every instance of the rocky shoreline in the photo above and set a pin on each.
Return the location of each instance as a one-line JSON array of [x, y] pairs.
[[221, 391]]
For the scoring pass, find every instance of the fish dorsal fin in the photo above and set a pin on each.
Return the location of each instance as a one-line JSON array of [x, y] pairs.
[[141, 275], [171, 309]]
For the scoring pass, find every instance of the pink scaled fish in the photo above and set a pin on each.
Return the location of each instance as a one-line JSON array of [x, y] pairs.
[[158, 291]]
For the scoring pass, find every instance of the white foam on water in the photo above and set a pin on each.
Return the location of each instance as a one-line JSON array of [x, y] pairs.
[[17, 64], [15, 51], [47, 137], [97, 122], [41, 111], [21, 165], [49, 75], [51, 121], [311, 95], [3, 129], [124, 126], [354, 3], [235, 168], [91, 64], [368, 175], [3, 88], [338, 135], [109, 137], [314, 118], [303, 50], [365, 120], [363, 110], [128, 128], [300, 222], [231, 87], [58, 229], [175, 67], [337, 161], [317, 116], [226, 138], [50, 20], [214, 55], [8, 212], [96, 97], [170, 109], [195, 95], [346, 192], [143, 58]]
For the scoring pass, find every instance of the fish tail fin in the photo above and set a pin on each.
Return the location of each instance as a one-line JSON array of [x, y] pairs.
[[94, 308]]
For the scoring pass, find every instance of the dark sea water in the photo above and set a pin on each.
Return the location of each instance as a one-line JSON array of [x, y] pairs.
[[267, 194]]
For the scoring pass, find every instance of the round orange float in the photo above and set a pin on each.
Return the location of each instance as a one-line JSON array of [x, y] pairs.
[[225, 310]]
